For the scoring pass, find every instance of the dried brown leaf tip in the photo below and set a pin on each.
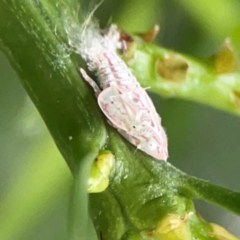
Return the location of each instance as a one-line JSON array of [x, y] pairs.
[[172, 67], [150, 35], [225, 60], [128, 45], [126, 37]]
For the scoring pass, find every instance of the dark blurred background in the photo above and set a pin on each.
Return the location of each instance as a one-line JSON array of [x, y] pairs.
[[34, 179]]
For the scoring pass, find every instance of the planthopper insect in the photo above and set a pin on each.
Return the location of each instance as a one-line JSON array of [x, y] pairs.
[[124, 102]]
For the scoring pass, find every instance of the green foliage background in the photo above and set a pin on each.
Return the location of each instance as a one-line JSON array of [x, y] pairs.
[[35, 181]]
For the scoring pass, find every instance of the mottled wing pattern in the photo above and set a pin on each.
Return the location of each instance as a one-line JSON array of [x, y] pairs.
[[130, 113]]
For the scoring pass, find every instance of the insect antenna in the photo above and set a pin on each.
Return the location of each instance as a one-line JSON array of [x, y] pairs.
[[137, 148]]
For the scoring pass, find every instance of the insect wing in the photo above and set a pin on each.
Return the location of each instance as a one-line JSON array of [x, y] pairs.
[[124, 110], [138, 100], [111, 104], [156, 145], [139, 125]]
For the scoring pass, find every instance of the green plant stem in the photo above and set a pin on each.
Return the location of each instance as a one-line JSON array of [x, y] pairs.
[[51, 77], [200, 84], [79, 203], [207, 191]]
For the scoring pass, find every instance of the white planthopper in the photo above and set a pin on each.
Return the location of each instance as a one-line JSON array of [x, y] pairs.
[[124, 102]]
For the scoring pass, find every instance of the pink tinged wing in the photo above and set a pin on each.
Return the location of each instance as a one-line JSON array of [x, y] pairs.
[[138, 124], [150, 140], [156, 146], [153, 146], [155, 143], [122, 111], [117, 112], [140, 100]]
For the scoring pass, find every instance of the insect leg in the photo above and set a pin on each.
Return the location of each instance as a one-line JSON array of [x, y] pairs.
[[92, 83]]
